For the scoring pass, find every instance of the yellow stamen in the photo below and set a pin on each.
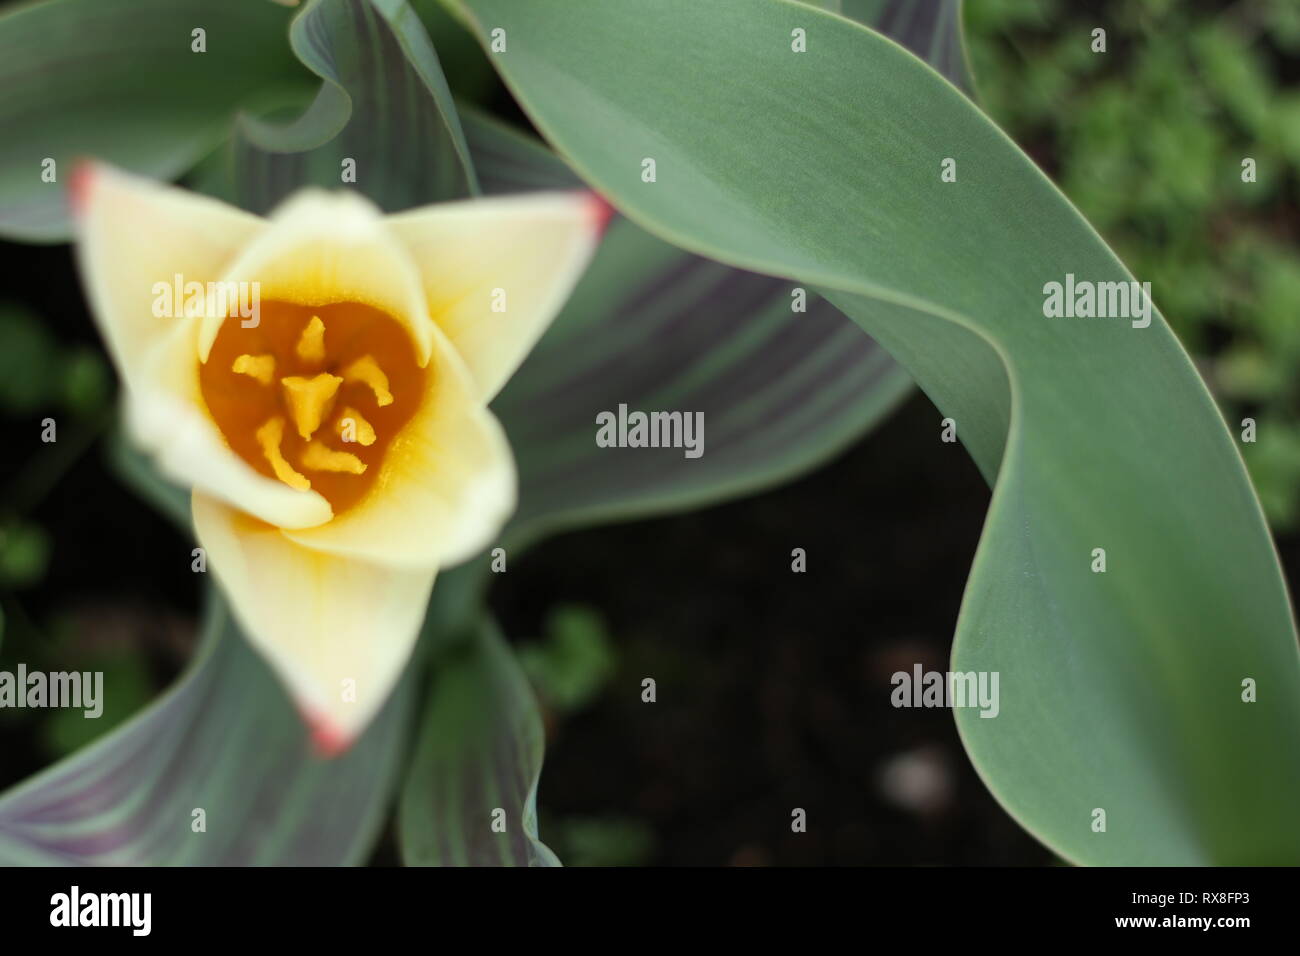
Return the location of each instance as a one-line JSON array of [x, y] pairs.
[[260, 367], [311, 344], [352, 427], [269, 437], [367, 371], [309, 399], [320, 458]]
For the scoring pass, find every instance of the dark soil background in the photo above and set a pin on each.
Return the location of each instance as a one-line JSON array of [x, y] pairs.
[[773, 687]]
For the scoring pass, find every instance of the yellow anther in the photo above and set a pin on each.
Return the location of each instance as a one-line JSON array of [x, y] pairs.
[[351, 427], [367, 371], [269, 437], [310, 399], [260, 367], [311, 344], [320, 458]]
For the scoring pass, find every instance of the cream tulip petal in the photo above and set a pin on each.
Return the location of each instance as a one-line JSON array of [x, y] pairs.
[[134, 237], [338, 632], [321, 248], [167, 417], [444, 488], [134, 234], [532, 248]]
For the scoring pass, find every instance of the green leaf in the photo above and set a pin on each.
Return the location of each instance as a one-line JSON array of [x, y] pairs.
[[655, 329], [224, 740], [477, 759], [118, 80], [575, 661], [401, 142], [85, 381], [24, 553], [780, 391], [29, 361], [469, 73], [1119, 690], [128, 688], [607, 841], [508, 161], [661, 329]]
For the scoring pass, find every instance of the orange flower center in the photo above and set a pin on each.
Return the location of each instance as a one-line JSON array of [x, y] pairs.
[[313, 396]]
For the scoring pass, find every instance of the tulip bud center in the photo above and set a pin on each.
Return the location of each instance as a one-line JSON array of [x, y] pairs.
[[313, 396]]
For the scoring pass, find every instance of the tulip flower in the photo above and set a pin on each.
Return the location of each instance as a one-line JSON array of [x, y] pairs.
[[336, 437]]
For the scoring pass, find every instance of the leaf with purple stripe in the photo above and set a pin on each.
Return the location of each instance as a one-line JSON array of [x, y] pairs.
[[119, 79], [225, 741], [469, 799], [653, 328], [401, 136]]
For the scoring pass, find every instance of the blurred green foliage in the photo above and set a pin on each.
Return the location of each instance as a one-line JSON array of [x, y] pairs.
[[68, 644], [128, 687], [41, 378], [605, 841], [39, 375], [574, 662], [1148, 140], [24, 553]]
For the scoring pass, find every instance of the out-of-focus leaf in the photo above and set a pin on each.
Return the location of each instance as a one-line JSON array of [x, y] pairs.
[[29, 358], [574, 661], [657, 329], [1119, 690], [606, 841], [127, 688], [477, 759], [1234, 70], [24, 553], [226, 741], [469, 74], [85, 381], [402, 144], [118, 79], [1274, 461], [35, 373], [508, 161], [929, 28]]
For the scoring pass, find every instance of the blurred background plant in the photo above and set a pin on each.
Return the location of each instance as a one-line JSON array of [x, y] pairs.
[[1148, 141], [42, 376]]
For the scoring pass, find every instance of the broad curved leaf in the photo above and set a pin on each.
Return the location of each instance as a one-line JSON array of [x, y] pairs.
[[469, 799], [400, 141], [118, 79], [653, 329], [656, 328], [1120, 690], [223, 740]]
